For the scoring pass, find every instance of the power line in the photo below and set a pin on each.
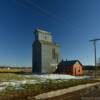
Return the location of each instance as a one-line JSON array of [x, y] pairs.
[[48, 12], [31, 3]]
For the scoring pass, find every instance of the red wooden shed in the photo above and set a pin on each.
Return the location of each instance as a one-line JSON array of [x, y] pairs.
[[73, 67]]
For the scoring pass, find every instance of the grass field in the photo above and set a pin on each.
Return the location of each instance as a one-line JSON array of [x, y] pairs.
[[16, 70], [33, 85], [10, 71], [17, 77], [28, 90]]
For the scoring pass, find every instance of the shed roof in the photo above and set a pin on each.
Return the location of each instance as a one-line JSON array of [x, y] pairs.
[[69, 63]]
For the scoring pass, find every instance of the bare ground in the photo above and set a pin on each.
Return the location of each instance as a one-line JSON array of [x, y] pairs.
[[84, 94], [70, 91]]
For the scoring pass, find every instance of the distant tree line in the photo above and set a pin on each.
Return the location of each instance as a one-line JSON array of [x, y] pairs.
[[90, 67]]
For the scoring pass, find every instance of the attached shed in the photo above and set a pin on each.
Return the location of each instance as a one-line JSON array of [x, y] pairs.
[[73, 67]]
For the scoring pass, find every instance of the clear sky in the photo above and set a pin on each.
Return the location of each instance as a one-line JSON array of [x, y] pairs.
[[72, 22]]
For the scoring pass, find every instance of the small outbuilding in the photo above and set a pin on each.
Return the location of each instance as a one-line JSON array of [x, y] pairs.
[[73, 67]]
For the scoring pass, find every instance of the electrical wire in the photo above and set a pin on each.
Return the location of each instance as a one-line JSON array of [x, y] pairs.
[[56, 18]]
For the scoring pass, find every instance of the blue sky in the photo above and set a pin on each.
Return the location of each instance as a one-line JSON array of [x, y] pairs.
[[72, 22]]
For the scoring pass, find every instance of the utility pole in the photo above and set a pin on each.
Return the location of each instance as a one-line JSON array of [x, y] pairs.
[[94, 44]]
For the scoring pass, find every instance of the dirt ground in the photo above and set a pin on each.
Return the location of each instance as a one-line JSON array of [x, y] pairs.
[[85, 94]]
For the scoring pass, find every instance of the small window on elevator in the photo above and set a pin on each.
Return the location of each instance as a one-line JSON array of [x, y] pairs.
[[53, 53]]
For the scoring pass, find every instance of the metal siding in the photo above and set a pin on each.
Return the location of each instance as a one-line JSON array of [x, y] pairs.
[[36, 57], [47, 60], [42, 53]]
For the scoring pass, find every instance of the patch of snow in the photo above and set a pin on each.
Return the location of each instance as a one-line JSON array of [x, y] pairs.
[[56, 76], [15, 84], [2, 88], [83, 77], [43, 77]]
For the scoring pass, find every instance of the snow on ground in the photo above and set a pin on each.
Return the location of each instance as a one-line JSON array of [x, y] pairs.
[[60, 76], [55, 76], [40, 78], [16, 84]]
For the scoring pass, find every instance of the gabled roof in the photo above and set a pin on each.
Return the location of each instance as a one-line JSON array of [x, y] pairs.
[[69, 63], [42, 31]]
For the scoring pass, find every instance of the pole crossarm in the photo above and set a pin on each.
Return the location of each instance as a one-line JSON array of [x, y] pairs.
[[94, 43], [94, 40]]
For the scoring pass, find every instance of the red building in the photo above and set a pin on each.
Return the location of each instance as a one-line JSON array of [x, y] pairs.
[[73, 67]]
